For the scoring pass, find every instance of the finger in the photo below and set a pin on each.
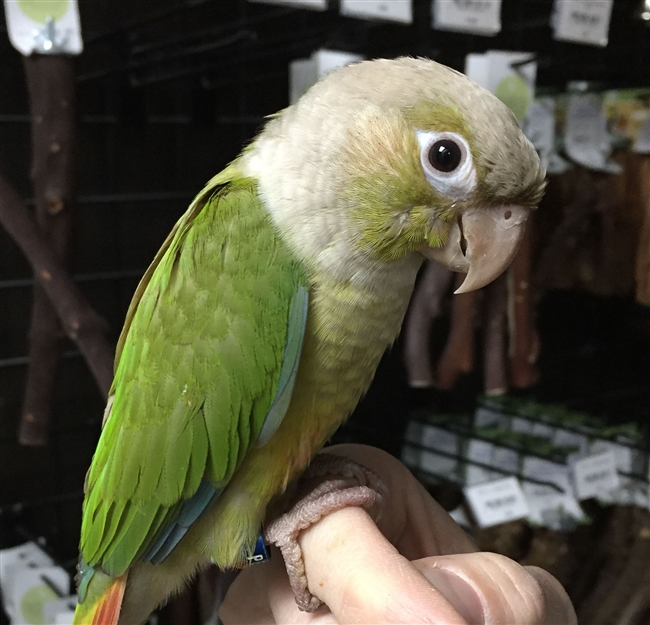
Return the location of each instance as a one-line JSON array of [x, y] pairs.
[[559, 608], [490, 588], [282, 601], [261, 595], [412, 520], [246, 602], [362, 577]]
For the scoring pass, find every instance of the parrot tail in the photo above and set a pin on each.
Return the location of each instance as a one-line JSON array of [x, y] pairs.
[[102, 603]]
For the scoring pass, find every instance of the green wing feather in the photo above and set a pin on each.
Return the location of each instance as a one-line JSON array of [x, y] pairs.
[[199, 367]]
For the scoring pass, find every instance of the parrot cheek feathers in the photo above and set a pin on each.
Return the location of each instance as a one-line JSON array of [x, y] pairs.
[[482, 243]]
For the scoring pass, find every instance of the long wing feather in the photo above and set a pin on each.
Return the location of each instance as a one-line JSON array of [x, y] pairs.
[[205, 367]]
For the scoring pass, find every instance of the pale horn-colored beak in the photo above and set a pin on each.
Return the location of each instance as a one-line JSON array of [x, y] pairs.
[[482, 243]]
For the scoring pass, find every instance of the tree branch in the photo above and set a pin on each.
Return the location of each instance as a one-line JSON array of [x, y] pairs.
[[80, 322], [458, 355], [51, 87], [425, 307], [523, 340]]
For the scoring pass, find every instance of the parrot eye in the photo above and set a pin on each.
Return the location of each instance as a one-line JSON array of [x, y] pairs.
[[445, 155], [447, 163]]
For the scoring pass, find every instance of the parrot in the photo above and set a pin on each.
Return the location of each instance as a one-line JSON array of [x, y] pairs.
[[261, 321]]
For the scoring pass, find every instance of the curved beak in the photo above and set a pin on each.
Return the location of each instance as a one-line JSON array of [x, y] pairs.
[[482, 243]]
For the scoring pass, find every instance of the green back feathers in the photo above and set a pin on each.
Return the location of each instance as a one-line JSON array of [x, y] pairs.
[[199, 366]]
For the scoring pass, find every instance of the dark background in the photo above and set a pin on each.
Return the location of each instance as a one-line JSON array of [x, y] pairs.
[[168, 92]]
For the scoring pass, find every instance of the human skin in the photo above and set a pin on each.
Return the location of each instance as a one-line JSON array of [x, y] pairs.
[[415, 565]]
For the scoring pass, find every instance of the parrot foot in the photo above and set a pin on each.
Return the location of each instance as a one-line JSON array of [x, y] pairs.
[[352, 485]]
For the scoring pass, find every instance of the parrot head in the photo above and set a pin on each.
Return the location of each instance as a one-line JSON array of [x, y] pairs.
[[389, 159]]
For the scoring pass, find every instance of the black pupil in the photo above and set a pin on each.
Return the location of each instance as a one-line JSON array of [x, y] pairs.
[[444, 155]]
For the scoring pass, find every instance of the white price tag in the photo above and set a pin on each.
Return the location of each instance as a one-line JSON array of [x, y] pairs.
[[486, 417], [582, 21], [410, 456], [622, 453], [303, 73], [316, 5], [14, 560], [432, 462], [50, 27], [479, 451], [34, 588], [522, 425], [568, 438], [505, 459], [642, 143], [595, 475], [497, 502], [392, 10], [60, 611], [508, 75], [586, 138], [439, 439], [543, 499], [432, 437], [480, 17], [544, 430], [458, 514], [539, 127], [435, 439]]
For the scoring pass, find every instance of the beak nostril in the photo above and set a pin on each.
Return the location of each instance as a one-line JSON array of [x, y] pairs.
[[508, 214]]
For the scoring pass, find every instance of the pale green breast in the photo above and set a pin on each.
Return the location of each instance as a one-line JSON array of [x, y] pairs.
[[348, 330]]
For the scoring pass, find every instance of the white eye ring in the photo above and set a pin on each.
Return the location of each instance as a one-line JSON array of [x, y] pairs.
[[456, 184]]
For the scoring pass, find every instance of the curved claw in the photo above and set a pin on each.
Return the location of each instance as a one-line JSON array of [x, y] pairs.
[[482, 243]]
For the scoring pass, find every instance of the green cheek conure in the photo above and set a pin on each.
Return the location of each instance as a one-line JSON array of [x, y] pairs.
[[262, 319]]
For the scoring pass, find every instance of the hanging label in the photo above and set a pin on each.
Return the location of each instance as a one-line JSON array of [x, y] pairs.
[[586, 138], [303, 73], [496, 502], [316, 5], [50, 27], [480, 17], [595, 475], [549, 506], [486, 417], [481, 452], [439, 439], [543, 430], [392, 10], [622, 453], [642, 143], [521, 424], [60, 611], [539, 127], [14, 560], [429, 461], [458, 514], [582, 21], [508, 75], [34, 588], [568, 438], [435, 439], [505, 459]]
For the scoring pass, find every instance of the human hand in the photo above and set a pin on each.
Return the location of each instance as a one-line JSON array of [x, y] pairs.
[[415, 566]]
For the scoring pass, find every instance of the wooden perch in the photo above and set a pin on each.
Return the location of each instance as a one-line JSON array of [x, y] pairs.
[[51, 87], [523, 340], [80, 322], [426, 306], [495, 372], [458, 355]]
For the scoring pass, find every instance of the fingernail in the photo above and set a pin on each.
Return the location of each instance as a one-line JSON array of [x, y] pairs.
[[462, 596]]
